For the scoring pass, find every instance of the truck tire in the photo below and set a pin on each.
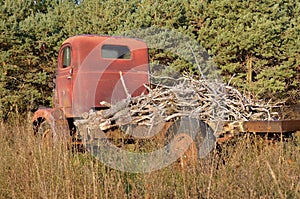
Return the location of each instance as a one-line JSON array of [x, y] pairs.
[[191, 138]]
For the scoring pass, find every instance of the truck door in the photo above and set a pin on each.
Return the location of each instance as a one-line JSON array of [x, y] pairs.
[[64, 79]]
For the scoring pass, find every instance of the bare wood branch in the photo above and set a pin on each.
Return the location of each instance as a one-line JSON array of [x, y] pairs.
[[210, 102]]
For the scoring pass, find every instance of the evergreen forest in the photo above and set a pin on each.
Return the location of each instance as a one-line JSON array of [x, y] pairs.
[[254, 43]]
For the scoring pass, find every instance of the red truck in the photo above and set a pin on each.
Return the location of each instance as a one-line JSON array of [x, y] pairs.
[[94, 68]]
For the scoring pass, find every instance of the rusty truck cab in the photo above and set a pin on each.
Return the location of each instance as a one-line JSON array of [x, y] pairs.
[[91, 67]]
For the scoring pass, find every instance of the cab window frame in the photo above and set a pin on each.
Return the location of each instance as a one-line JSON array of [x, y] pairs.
[[122, 52], [66, 56]]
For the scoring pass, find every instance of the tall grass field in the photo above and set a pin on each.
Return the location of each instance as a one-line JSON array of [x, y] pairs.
[[247, 167]]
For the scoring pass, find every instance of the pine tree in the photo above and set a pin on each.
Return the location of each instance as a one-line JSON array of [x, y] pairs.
[[255, 44], [31, 33]]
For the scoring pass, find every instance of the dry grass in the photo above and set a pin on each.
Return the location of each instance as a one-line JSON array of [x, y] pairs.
[[247, 168]]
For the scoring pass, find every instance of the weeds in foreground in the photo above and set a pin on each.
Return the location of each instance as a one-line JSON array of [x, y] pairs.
[[245, 169]]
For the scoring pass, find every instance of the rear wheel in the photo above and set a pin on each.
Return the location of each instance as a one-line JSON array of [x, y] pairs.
[[191, 139]]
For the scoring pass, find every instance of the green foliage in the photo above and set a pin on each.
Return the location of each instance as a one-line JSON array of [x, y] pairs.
[[257, 41], [27, 67], [254, 43]]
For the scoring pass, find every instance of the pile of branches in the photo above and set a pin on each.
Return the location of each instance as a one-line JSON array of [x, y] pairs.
[[208, 101]]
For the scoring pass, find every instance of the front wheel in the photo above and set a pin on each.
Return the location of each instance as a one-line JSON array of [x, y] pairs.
[[44, 131], [50, 126]]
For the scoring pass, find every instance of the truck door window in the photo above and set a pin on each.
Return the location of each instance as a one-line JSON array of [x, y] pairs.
[[115, 52], [66, 57]]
